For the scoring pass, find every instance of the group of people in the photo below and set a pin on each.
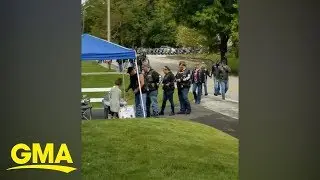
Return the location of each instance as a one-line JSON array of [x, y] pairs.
[[146, 97], [141, 58]]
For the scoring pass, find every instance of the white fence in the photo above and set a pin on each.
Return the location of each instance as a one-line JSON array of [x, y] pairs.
[[92, 90]]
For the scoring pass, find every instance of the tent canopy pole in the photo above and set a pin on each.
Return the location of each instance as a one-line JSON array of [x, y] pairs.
[[141, 99]]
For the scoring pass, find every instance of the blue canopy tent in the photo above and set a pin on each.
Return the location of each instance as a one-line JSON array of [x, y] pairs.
[[94, 48]]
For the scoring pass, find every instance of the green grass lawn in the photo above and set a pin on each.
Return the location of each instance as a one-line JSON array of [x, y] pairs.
[[107, 80], [210, 58], [93, 66], [157, 149]]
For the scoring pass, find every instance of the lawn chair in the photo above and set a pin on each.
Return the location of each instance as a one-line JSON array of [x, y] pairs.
[[86, 108]]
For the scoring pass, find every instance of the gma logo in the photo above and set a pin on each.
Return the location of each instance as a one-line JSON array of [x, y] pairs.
[[35, 157]]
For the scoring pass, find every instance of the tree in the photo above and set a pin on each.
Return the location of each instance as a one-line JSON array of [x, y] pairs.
[[189, 37], [216, 21], [235, 31]]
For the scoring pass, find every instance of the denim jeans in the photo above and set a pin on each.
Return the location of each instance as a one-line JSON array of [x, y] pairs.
[[152, 102], [216, 88], [224, 86], [139, 112], [180, 96], [183, 98], [197, 92], [167, 95]]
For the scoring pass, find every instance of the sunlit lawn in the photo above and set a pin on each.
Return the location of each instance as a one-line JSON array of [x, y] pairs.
[[93, 66]]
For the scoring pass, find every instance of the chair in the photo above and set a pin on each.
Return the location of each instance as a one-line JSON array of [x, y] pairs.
[[86, 108]]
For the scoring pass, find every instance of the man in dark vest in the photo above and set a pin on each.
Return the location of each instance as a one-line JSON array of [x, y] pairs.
[[152, 80], [183, 79]]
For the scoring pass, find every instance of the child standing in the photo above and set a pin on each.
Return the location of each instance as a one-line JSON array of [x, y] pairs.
[[115, 96]]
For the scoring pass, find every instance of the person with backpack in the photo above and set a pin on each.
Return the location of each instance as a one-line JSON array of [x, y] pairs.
[[168, 90], [152, 80]]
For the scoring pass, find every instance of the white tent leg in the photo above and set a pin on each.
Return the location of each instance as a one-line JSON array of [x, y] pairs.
[[124, 84], [141, 100]]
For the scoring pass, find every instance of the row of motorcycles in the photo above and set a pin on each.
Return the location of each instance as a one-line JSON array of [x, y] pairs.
[[168, 51]]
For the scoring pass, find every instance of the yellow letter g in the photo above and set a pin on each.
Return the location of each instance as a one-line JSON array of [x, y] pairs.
[[25, 156]]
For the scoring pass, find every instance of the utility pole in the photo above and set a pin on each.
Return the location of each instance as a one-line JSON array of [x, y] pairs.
[[108, 18]]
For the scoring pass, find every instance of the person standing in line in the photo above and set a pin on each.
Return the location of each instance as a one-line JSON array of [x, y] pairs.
[[214, 74], [152, 80], [206, 72], [109, 64], [223, 77], [115, 96], [183, 79], [120, 63], [168, 90], [197, 79], [140, 60], [134, 85], [179, 76], [131, 61]]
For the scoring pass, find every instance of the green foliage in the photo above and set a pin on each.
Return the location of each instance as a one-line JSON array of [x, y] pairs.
[[215, 21], [235, 32], [189, 37], [152, 23]]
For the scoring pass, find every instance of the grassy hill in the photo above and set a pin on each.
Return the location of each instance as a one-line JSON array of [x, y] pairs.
[[157, 149]]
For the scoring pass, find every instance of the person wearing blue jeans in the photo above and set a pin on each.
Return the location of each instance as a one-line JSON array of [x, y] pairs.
[[206, 72], [120, 64], [134, 85], [197, 79], [214, 74], [152, 80], [223, 77], [168, 90], [183, 79]]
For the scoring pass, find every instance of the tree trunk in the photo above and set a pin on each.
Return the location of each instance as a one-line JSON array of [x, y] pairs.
[[223, 45]]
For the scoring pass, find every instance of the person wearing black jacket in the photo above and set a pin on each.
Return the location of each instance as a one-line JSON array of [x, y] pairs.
[[197, 79], [207, 74], [152, 80], [168, 90], [214, 74], [183, 84], [140, 104]]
